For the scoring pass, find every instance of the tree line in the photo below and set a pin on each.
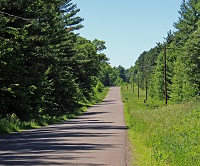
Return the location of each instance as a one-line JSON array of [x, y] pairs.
[[182, 60], [46, 68]]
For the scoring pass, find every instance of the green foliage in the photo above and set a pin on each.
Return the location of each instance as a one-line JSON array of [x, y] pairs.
[[182, 59], [122, 73], [113, 76], [101, 95], [99, 87], [169, 134], [108, 75], [46, 69], [11, 123]]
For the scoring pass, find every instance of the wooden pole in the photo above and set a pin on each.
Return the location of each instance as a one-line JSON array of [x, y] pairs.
[[165, 74], [138, 86], [146, 88], [146, 83]]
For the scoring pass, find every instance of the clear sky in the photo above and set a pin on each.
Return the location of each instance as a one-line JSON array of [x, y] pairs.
[[128, 27]]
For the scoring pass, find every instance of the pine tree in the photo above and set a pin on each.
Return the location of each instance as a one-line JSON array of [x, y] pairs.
[[184, 85], [35, 51]]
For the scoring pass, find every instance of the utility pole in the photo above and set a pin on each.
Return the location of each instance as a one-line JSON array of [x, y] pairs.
[[165, 74], [138, 86], [146, 88], [133, 87], [146, 82]]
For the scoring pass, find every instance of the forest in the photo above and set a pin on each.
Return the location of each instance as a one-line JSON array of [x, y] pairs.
[[46, 68], [171, 69]]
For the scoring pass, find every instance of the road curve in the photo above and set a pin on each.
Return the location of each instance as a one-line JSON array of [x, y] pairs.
[[97, 138]]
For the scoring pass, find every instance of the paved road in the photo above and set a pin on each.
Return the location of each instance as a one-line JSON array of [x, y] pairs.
[[97, 138]]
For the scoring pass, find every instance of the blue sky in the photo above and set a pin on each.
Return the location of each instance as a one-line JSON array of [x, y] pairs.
[[128, 27]]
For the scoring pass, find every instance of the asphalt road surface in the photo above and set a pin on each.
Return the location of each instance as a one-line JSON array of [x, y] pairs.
[[97, 138]]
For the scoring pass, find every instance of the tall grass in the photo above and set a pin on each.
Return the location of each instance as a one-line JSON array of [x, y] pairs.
[[170, 135], [12, 123]]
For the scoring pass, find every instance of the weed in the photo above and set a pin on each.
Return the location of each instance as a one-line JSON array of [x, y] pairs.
[[171, 135]]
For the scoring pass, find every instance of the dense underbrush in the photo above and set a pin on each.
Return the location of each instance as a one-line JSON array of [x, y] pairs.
[[11, 123]]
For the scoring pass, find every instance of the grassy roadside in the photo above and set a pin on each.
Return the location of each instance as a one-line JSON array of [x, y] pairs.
[[12, 123], [162, 135]]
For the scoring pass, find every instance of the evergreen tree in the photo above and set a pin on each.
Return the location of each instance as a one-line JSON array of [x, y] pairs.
[[183, 85], [37, 43]]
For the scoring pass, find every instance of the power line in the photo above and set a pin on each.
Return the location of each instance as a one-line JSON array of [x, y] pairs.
[[18, 17]]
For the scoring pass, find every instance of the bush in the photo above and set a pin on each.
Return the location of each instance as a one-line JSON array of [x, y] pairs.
[[99, 87]]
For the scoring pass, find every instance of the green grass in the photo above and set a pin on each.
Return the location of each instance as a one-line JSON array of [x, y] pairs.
[[12, 123], [162, 135]]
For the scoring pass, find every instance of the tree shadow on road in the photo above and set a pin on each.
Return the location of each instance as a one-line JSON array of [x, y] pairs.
[[56, 144]]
